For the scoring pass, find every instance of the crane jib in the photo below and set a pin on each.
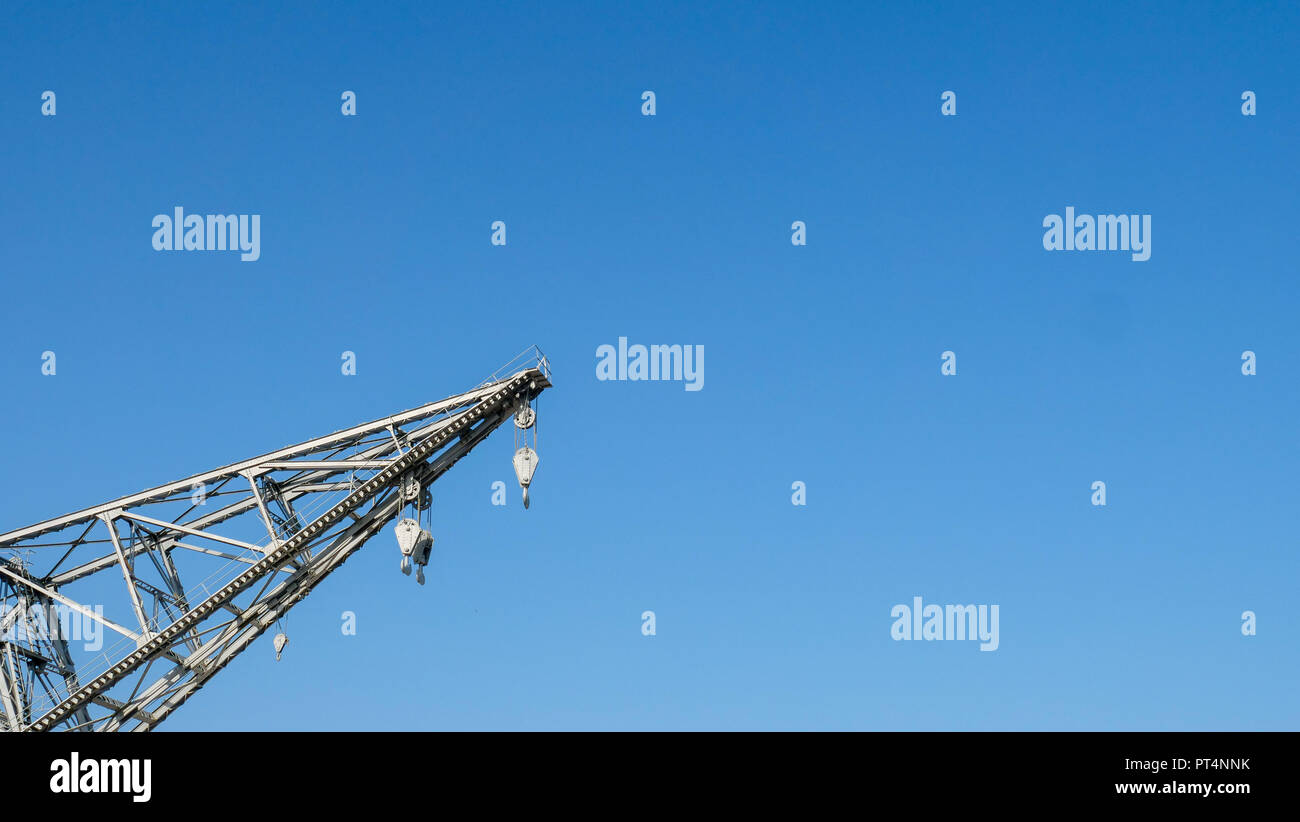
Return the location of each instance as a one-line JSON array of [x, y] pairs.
[[463, 426]]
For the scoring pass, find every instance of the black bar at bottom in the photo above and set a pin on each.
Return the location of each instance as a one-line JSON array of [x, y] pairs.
[[1221, 772]]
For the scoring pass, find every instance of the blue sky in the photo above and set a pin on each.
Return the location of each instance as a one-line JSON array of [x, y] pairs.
[[822, 365]]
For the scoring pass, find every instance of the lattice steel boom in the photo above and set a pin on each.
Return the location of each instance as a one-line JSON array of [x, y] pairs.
[[185, 576]]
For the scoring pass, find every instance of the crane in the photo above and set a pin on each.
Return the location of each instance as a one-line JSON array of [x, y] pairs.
[[175, 581]]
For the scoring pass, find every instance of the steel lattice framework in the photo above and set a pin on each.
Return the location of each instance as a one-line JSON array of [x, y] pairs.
[[186, 575]]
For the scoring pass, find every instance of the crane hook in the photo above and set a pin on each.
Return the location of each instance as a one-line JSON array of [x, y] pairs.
[[526, 460]]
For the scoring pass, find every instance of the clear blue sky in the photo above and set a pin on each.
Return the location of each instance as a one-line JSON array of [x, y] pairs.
[[822, 362]]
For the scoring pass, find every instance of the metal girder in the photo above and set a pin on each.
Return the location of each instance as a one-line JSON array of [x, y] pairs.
[[205, 565]]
